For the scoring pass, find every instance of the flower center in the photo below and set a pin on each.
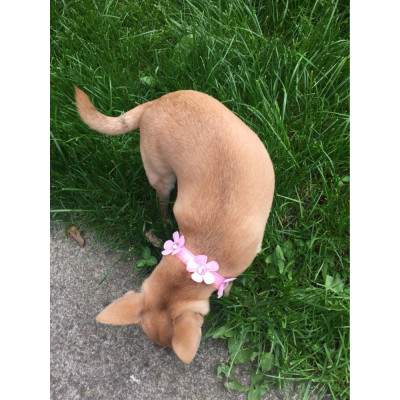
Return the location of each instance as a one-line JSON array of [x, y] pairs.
[[174, 246], [201, 269]]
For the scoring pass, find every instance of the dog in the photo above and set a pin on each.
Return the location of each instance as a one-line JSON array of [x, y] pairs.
[[225, 184]]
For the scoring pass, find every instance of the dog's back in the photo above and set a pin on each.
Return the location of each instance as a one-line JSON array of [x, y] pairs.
[[224, 173]]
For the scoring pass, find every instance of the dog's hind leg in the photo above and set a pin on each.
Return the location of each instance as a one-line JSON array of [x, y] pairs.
[[163, 187], [161, 178]]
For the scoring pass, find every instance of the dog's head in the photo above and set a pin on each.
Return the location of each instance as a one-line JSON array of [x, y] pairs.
[[167, 318]]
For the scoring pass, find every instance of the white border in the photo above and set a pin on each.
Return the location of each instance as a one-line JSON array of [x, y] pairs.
[[24, 199], [375, 110]]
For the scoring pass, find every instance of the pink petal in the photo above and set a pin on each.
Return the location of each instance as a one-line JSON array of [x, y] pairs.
[[223, 285], [201, 260], [181, 241], [208, 277], [176, 237], [168, 245], [196, 277], [191, 266], [212, 266]]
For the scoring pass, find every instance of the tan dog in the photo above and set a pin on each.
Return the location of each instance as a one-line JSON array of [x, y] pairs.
[[225, 187]]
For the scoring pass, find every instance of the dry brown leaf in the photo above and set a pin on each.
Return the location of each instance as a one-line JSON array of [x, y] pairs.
[[73, 231], [153, 239]]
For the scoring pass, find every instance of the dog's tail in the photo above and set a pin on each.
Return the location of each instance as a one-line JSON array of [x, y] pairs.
[[109, 125]]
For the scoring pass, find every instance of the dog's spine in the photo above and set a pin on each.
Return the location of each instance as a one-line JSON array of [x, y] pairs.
[[109, 125]]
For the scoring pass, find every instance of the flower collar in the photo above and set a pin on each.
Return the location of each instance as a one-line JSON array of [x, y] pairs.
[[202, 271]]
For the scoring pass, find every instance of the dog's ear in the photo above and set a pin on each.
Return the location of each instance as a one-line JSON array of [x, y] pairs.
[[123, 311], [187, 335]]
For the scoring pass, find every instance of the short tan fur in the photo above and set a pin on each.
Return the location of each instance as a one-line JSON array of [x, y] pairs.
[[225, 184]]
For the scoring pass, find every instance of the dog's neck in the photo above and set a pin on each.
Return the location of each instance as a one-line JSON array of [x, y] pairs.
[[202, 271]]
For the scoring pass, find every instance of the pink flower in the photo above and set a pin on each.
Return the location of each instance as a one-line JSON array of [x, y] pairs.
[[202, 270], [173, 247]]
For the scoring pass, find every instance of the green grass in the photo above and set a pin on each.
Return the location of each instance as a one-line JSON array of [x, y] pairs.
[[283, 67]]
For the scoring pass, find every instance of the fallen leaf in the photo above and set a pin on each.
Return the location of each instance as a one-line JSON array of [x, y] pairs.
[[153, 239], [73, 231]]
